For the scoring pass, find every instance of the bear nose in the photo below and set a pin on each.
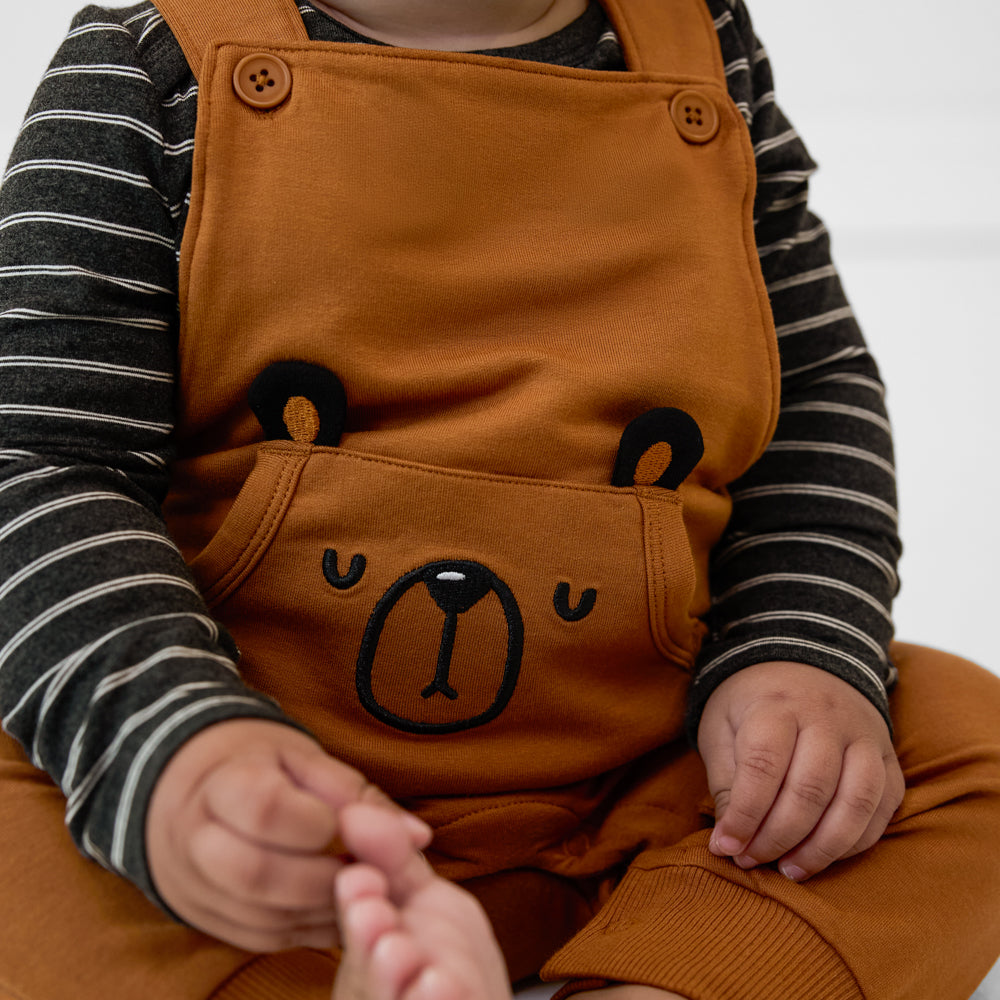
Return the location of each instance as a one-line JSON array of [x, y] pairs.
[[457, 586]]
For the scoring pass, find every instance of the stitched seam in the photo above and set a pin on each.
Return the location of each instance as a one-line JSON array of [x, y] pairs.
[[656, 586], [273, 509], [473, 477], [224, 585], [500, 808], [492, 63]]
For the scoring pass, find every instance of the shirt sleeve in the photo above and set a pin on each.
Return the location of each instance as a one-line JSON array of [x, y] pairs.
[[109, 660], [806, 570]]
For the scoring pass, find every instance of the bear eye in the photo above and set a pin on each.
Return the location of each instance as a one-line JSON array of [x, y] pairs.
[[332, 571], [583, 607]]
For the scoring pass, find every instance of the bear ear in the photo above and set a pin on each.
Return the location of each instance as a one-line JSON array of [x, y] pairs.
[[298, 401], [659, 448]]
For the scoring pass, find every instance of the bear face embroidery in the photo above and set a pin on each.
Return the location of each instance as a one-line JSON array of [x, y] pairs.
[[463, 596], [443, 642]]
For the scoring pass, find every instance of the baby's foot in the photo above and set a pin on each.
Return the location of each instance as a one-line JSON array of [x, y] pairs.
[[408, 934]]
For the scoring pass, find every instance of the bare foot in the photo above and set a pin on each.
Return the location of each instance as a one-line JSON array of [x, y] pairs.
[[408, 934], [625, 991]]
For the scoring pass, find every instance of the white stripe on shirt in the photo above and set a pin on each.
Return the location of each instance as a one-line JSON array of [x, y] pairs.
[[63, 413], [75, 548], [140, 323], [859, 665], [77, 364], [82, 222], [813, 618], [69, 271], [807, 579], [818, 490], [98, 69]]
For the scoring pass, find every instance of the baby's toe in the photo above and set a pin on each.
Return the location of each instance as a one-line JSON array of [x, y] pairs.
[[436, 983], [396, 962], [364, 912]]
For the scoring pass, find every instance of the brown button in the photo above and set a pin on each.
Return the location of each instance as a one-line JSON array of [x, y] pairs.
[[262, 81], [695, 115]]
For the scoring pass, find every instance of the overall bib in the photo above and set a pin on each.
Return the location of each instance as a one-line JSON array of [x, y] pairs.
[[470, 349], [503, 330]]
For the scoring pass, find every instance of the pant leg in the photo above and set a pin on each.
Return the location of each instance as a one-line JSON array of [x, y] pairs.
[[915, 918], [71, 931]]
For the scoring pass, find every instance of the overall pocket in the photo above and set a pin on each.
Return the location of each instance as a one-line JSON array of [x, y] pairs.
[[450, 632]]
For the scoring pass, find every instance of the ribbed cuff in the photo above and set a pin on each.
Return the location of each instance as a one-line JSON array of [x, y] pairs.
[[686, 929], [721, 661], [302, 974]]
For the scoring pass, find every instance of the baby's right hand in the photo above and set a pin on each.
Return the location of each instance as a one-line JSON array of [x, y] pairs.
[[238, 831]]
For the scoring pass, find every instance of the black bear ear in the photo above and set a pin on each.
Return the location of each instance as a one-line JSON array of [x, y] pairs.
[[659, 448], [298, 401]]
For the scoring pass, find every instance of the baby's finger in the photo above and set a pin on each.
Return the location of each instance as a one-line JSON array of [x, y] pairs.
[[255, 875], [339, 785], [380, 838], [858, 812], [763, 748], [258, 801], [810, 786], [892, 798]]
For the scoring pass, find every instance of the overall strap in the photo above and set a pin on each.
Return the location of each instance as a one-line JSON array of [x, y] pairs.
[[198, 23], [668, 36]]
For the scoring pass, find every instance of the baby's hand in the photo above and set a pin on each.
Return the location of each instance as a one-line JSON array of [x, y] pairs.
[[238, 834], [801, 767]]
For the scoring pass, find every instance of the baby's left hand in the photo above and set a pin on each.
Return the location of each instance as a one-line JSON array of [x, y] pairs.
[[801, 767]]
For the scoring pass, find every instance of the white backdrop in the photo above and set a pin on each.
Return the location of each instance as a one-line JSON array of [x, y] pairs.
[[902, 115], [899, 105]]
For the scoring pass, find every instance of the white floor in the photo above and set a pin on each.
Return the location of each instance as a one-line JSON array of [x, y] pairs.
[[989, 990]]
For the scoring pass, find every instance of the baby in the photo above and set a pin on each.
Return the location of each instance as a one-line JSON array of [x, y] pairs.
[[477, 453]]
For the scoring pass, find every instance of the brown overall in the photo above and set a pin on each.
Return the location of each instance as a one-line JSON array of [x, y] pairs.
[[503, 333]]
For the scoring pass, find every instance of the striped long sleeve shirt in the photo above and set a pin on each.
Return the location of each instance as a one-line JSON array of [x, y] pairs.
[[109, 659]]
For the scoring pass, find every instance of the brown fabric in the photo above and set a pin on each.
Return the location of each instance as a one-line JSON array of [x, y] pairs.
[[915, 918], [668, 36], [533, 913], [502, 280], [68, 925], [290, 975], [548, 738], [909, 920]]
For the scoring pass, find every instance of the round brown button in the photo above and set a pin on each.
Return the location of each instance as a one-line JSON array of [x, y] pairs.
[[695, 115], [262, 81]]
